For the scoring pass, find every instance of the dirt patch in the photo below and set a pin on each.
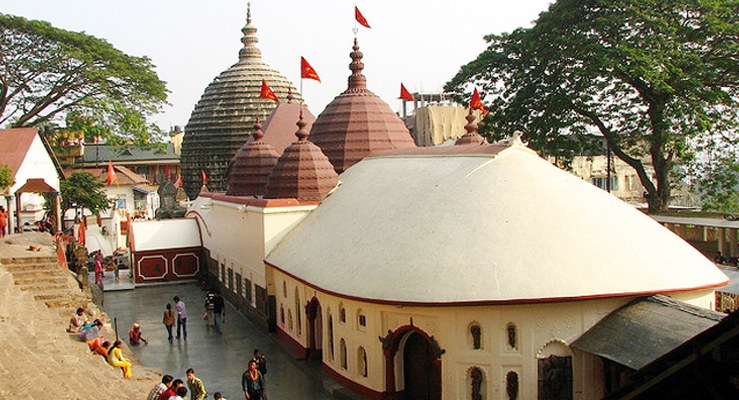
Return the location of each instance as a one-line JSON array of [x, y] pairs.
[[17, 245]]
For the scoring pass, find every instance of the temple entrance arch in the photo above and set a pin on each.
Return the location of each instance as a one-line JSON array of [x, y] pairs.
[[416, 357], [315, 329]]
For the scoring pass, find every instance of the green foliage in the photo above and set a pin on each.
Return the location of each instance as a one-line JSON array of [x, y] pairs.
[[6, 178], [649, 75], [46, 72], [83, 189], [719, 186]]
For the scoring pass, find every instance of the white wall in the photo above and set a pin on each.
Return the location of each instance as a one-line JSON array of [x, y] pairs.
[[537, 325], [37, 164]]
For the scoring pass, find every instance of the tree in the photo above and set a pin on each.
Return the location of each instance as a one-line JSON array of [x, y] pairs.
[[83, 189], [46, 73], [6, 178], [650, 75]]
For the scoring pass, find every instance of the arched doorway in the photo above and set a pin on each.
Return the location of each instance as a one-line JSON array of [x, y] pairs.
[[315, 330], [417, 356], [419, 372]]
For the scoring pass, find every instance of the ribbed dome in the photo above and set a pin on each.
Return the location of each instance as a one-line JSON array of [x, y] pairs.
[[303, 172], [357, 122], [471, 137], [223, 118], [249, 169]]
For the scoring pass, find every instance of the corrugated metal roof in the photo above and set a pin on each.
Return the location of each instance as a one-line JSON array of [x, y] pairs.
[[99, 153], [646, 329]]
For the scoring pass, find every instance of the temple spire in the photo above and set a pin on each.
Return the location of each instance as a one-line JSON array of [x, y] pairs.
[[357, 81], [250, 39]]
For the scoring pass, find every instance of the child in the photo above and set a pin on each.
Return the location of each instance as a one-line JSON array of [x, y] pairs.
[[134, 335], [115, 270]]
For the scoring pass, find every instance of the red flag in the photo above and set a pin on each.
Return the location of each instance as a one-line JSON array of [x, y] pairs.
[[178, 183], [112, 176], [267, 93], [205, 178], [360, 18], [405, 94], [476, 102], [306, 71]]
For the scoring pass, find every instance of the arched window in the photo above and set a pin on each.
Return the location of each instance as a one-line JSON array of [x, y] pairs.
[[342, 314], [476, 380], [476, 336], [289, 319], [284, 289], [331, 337], [282, 314], [512, 336], [342, 353], [297, 311], [511, 385], [362, 359]]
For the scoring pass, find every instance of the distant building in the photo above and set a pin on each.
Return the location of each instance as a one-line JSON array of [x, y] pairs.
[[152, 164], [29, 157]]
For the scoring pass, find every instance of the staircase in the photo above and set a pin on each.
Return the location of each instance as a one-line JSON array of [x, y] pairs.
[[38, 359], [47, 282]]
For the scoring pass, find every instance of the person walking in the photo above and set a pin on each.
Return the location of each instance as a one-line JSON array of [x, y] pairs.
[[252, 382], [181, 317], [168, 320], [196, 386], [209, 321], [219, 311], [3, 221]]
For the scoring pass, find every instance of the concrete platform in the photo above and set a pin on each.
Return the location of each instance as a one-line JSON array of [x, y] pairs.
[[218, 359]]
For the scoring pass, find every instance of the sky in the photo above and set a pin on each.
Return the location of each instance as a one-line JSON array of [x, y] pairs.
[[421, 44]]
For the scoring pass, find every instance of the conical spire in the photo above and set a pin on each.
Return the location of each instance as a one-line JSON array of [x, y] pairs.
[[250, 39], [303, 172], [258, 133], [357, 81], [302, 133], [471, 137], [249, 169]]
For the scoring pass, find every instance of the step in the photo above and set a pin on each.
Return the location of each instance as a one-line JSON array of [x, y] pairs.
[[32, 266], [47, 279], [43, 286], [29, 260]]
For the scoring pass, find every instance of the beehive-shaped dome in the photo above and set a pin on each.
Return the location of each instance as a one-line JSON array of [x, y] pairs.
[[471, 137], [358, 122], [249, 169], [223, 119], [303, 172]]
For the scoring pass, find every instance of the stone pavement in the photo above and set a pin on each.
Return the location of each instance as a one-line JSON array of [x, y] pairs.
[[218, 359]]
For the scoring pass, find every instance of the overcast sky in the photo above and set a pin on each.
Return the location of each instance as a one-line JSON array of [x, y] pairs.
[[419, 43]]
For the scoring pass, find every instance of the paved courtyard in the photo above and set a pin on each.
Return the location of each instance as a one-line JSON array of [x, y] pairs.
[[218, 359]]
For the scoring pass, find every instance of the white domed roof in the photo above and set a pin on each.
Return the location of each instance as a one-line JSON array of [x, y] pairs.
[[478, 229]]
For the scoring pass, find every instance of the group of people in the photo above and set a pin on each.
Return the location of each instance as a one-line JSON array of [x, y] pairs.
[[174, 389], [180, 317], [90, 333], [252, 383]]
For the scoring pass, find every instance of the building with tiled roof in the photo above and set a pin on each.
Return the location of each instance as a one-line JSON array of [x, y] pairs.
[[27, 155]]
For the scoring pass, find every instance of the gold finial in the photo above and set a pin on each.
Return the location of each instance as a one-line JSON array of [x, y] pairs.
[[248, 12]]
